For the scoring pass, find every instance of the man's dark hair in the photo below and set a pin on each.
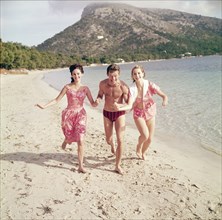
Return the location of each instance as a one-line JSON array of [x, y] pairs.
[[113, 67]]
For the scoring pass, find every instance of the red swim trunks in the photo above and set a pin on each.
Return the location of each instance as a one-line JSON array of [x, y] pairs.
[[112, 116]]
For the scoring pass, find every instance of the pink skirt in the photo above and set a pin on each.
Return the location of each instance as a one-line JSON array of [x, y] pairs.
[[147, 113], [74, 124]]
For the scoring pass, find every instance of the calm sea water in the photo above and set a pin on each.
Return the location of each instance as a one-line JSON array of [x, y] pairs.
[[193, 86]]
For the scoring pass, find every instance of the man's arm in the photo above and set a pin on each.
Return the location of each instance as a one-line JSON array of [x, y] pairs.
[[100, 93], [127, 99]]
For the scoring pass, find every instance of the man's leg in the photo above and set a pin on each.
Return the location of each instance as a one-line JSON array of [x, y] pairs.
[[120, 126], [108, 126]]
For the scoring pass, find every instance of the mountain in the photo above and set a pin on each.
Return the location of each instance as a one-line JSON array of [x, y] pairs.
[[107, 29]]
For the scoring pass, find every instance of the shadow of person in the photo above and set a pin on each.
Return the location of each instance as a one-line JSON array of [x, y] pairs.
[[56, 160], [98, 162], [41, 159]]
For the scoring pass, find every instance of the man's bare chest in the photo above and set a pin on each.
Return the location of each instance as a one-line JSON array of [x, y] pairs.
[[113, 91]]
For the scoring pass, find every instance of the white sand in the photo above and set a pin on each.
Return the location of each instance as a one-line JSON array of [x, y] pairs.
[[40, 181]]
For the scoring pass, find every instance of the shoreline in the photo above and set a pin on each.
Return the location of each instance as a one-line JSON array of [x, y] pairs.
[[37, 174]]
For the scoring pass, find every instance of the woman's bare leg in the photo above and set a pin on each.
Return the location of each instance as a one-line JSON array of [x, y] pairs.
[[64, 145], [80, 156], [144, 134], [151, 127]]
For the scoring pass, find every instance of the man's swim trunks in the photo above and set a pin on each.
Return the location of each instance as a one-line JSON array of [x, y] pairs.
[[112, 116]]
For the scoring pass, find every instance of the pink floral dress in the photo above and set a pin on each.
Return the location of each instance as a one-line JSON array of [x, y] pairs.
[[74, 117]]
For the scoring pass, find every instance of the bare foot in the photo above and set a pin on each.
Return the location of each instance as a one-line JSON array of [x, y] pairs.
[[144, 157], [119, 170], [138, 152], [81, 170], [113, 150], [64, 145]]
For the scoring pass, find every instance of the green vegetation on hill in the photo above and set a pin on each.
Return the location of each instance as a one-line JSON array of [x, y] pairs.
[[17, 56]]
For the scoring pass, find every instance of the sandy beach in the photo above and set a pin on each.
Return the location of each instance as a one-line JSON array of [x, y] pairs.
[[39, 180]]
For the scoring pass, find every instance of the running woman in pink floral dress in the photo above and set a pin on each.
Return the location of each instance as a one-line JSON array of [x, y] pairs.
[[144, 108], [74, 117]]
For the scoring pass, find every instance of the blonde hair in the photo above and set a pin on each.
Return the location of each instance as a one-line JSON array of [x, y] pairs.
[[137, 67]]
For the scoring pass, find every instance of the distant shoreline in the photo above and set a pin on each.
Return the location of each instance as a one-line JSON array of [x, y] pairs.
[[26, 71]]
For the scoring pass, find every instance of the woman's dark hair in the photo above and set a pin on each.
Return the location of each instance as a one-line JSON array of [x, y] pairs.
[[75, 66], [112, 68]]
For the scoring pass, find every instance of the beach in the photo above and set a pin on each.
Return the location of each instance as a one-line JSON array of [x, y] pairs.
[[39, 180]]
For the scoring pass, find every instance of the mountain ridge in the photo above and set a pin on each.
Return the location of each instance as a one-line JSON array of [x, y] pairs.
[[108, 29]]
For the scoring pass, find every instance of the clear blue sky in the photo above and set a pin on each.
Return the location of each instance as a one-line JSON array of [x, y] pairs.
[[33, 22]]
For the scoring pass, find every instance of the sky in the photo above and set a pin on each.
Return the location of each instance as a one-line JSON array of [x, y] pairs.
[[31, 22]]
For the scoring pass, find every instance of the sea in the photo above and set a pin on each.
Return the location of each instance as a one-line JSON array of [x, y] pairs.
[[193, 87]]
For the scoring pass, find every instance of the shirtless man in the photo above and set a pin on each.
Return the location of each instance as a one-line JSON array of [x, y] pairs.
[[115, 91]]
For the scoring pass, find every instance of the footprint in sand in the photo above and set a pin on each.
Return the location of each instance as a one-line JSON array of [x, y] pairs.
[[27, 178], [57, 201], [46, 209]]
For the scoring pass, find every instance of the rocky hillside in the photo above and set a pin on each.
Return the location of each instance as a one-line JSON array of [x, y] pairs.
[[110, 29]]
